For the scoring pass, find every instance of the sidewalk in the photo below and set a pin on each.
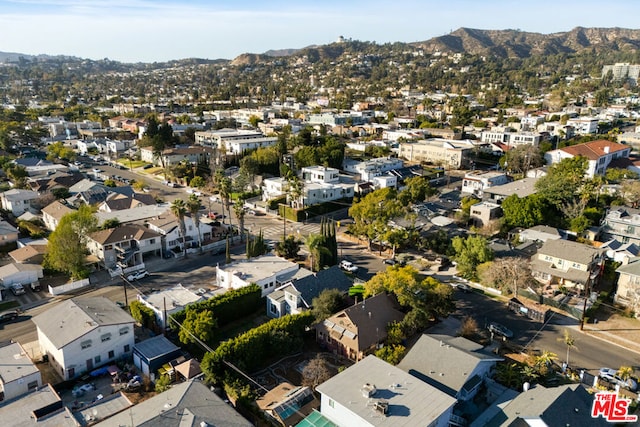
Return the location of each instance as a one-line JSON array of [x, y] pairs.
[[618, 330]]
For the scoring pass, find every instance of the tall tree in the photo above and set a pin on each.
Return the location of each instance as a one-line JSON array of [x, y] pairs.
[[66, 249], [179, 209], [562, 183], [193, 205], [198, 325], [471, 252], [461, 113]]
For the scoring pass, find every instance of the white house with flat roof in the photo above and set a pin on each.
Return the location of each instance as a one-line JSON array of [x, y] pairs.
[[375, 393], [18, 374], [267, 271], [165, 302], [475, 182]]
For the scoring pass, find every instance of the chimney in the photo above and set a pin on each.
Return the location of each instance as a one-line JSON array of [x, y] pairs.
[[606, 149]]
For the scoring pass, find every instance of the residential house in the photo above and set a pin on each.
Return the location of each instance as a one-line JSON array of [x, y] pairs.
[[53, 213], [18, 374], [273, 188], [18, 201], [475, 182], [29, 254], [509, 137], [82, 333], [368, 169], [561, 406], [539, 233], [284, 403], [173, 156], [38, 167], [628, 290], [167, 301], [190, 403], [521, 188], [322, 184], [20, 273], [454, 365], [42, 406], [8, 233], [267, 271], [57, 181], [375, 393], [599, 155], [124, 246], [357, 330], [139, 215], [570, 264], [150, 354], [622, 224], [450, 154], [484, 213], [297, 294], [583, 125], [234, 141], [319, 185], [620, 252], [118, 202], [168, 226]]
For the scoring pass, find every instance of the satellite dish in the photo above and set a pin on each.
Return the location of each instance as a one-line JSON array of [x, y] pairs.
[[94, 412]]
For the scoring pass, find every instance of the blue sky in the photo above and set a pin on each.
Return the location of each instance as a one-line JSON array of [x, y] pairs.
[[160, 30]]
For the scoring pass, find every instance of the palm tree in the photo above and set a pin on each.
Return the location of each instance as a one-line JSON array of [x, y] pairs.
[[314, 242], [625, 372], [570, 342], [193, 204], [543, 361], [238, 209], [225, 195], [179, 209]]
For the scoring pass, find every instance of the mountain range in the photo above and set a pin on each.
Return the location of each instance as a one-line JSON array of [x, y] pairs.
[[508, 43]]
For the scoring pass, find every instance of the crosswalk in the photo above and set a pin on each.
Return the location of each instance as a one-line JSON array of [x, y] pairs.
[[276, 232]]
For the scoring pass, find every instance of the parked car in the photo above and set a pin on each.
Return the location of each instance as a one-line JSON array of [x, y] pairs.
[[498, 329], [8, 316], [137, 275], [461, 286], [17, 289], [348, 266], [612, 376], [147, 166], [390, 261]]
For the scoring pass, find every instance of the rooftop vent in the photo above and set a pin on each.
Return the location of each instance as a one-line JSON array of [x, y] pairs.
[[368, 390], [382, 407]]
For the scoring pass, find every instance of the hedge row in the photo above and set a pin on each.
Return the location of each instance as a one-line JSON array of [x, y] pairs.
[[227, 307], [251, 350]]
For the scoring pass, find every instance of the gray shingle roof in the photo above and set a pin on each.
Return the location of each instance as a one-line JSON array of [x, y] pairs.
[[190, 403], [71, 319], [570, 251], [444, 361], [568, 405]]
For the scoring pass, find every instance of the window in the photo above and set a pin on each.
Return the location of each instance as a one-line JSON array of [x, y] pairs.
[[105, 337], [96, 359], [85, 344], [124, 331], [111, 354], [274, 309], [32, 385], [127, 348], [152, 241], [331, 403]]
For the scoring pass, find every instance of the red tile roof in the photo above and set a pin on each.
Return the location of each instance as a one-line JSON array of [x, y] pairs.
[[595, 149]]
